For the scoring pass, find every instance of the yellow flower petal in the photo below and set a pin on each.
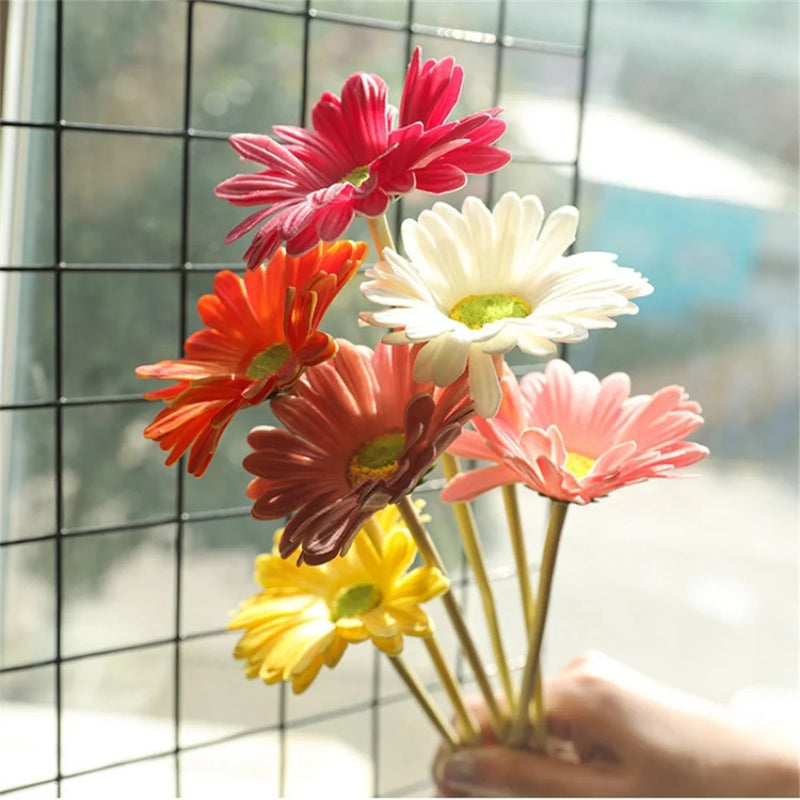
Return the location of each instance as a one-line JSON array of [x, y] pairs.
[[335, 651], [391, 645], [301, 682], [288, 629]]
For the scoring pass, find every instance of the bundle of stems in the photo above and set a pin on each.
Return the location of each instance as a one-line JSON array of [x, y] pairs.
[[520, 708]]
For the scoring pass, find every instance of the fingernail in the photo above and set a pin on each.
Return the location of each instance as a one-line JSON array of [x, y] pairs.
[[460, 770]]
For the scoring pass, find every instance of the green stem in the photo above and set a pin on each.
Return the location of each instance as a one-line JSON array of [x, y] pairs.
[[511, 503], [518, 733], [381, 235], [431, 557], [425, 701], [474, 553], [469, 729]]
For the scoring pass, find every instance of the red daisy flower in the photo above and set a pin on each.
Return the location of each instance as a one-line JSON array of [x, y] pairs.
[[261, 333], [360, 434], [574, 438], [354, 161]]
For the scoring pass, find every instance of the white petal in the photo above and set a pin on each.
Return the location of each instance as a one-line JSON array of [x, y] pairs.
[[484, 386], [423, 250], [389, 318], [517, 240], [557, 235], [535, 345], [423, 363], [449, 359], [424, 324], [502, 342], [482, 244], [455, 260], [396, 337]]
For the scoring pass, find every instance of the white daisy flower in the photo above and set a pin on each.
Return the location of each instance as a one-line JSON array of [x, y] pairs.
[[477, 283]]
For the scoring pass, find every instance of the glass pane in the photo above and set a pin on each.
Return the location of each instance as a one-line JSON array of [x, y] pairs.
[[396, 10], [29, 366], [117, 707], [119, 589], [225, 482], [553, 186], [104, 338], [247, 69], [407, 744], [152, 778], [546, 20], [27, 596], [27, 727], [348, 684], [124, 198], [539, 97], [690, 176], [112, 474], [247, 767], [123, 62], [337, 51], [210, 218], [338, 746], [210, 672], [481, 16], [218, 568], [28, 456]]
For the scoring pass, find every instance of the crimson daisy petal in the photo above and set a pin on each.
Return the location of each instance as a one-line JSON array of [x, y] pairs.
[[261, 333], [360, 433], [574, 438], [358, 155]]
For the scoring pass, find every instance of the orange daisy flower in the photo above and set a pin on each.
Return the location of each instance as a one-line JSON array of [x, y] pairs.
[[261, 333]]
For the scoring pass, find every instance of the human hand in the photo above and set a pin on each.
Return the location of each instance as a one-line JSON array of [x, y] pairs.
[[616, 733]]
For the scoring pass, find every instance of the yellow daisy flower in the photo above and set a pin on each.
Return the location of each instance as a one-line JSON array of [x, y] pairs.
[[305, 616]]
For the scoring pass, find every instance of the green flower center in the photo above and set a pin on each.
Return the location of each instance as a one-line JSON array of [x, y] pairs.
[[578, 464], [355, 600], [477, 310], [376, 459], [357, 176], [268, 362]]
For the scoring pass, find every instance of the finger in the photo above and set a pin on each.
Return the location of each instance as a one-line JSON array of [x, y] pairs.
[[503, 772]]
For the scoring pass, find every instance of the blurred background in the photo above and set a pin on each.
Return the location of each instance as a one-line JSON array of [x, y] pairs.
[[672, 124]]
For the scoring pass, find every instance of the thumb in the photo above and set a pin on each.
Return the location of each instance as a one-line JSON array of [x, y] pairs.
[[503, 772]]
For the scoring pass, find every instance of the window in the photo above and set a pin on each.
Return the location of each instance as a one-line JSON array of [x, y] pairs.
[[116, 574]]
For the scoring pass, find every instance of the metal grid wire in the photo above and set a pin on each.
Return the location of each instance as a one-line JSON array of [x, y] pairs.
[[502, 42]]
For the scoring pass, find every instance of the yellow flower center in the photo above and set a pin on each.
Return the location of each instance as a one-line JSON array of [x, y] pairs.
[[376, 459], [477, 310], [357, 176], [578, 464], [268, 362], [355, 600]]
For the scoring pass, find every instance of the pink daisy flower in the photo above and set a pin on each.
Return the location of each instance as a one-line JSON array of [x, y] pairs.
[[360, 434], [574, 438], [355, 161]]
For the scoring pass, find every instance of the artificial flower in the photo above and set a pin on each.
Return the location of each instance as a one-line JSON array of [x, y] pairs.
[[477, 283], [360, 434], [261, 333], [355, 160], [574, 438], [306, 616]]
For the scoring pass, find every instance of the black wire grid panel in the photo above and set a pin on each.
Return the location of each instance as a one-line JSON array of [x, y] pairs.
[[501, 42]]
